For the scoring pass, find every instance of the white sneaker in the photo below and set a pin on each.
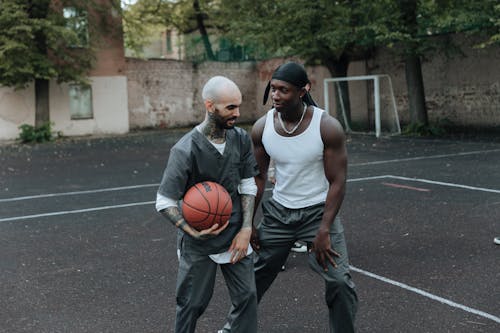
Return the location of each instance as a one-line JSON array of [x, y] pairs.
[[496, 240], [299, 247]]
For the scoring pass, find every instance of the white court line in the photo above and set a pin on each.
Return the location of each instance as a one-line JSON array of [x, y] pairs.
[[473, 188], [77, 192], [425, 157], [25, 217], [121, 188], [398, 284], [429, 295], [367, 178], [14, 218], [151, 185]]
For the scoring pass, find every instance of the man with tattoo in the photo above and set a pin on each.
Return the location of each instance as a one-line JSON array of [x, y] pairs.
[[214, 150]]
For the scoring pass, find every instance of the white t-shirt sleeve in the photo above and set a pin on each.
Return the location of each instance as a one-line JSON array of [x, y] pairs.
[[163, 202], [247, 186]]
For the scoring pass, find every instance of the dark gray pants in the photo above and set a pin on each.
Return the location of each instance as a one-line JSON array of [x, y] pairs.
[[280, 228], [195, 284]]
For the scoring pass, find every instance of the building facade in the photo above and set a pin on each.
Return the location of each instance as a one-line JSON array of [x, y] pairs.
[[97, 108]]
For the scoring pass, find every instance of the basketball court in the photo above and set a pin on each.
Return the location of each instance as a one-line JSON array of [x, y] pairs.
[[83, 249]]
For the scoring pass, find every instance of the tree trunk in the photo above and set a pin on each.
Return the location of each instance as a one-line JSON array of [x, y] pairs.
[[42, 111], [414, 80], [203, 30], [416, 94], [39, 9]]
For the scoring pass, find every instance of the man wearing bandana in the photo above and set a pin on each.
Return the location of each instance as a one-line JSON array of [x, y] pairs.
[[308, 148]]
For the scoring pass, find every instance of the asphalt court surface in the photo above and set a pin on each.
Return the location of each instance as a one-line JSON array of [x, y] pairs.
[[82, 249]]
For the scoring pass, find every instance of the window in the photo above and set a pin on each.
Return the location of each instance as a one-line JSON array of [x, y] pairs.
[[80, 101], [76, 20], [169, 41]]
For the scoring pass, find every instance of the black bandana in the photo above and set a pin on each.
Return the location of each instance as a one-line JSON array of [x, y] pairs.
[[295, 74]]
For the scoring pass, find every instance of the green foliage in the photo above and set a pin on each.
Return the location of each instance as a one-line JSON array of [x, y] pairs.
[[439, 128], [39, 134], [36, 43], [319, 32], [410, 23], [144, 20]]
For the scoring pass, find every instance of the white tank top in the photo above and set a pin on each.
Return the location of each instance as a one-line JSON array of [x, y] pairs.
[[300, 175]]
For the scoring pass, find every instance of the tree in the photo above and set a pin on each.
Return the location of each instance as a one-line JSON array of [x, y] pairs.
[[38, 43], [334, 33], [411, 58], [329, 33], [185, 16], [413, 26]]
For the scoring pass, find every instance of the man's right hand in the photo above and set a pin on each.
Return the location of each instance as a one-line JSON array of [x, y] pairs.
[[211, 232]]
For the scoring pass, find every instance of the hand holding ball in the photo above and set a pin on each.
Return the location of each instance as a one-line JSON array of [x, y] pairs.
[[205, 204]]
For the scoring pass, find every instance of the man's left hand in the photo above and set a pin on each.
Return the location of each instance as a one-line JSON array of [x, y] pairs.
[[323, 249], [239, 245]]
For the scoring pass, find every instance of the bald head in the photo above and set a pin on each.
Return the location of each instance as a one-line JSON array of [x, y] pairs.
[[218, 87]]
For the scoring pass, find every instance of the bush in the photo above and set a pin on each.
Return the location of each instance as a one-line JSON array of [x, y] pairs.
[[439, 128], [36, 134]]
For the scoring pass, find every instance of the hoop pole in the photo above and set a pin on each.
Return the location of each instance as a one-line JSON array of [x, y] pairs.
[[376, 84], [376, 87], [325, 93], [393, 99], [339, 94]]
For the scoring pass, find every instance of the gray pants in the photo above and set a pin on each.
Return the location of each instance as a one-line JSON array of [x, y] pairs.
[[280, 228], [195, 284]]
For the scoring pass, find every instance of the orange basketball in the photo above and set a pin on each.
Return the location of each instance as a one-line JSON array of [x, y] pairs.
[[205, 204]]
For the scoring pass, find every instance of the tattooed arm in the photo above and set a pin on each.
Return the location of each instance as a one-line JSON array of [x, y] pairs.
[[240, 242]]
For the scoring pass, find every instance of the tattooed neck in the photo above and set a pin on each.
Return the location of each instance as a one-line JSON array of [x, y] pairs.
[[212, 131]]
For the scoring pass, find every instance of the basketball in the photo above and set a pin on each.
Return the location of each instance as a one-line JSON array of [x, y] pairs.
[[205, 204]]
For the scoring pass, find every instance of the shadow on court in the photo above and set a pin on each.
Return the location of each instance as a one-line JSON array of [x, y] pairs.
[[84, 251]]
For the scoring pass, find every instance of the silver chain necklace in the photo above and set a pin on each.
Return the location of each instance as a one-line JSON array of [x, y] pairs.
[[296, 126]]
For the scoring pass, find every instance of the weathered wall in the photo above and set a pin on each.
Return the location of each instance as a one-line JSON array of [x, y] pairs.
[[17, 107], [167, 93], [464, 89], [108, 84], [160, 93], [109, 106]]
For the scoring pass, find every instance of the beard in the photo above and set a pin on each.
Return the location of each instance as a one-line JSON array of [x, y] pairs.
[[222, 122]]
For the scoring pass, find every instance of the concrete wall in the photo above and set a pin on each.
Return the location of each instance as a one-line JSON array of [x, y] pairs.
[[167, 93], [160, 93], [109, 105], [108, 84], [17, 107], [464, 89]]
